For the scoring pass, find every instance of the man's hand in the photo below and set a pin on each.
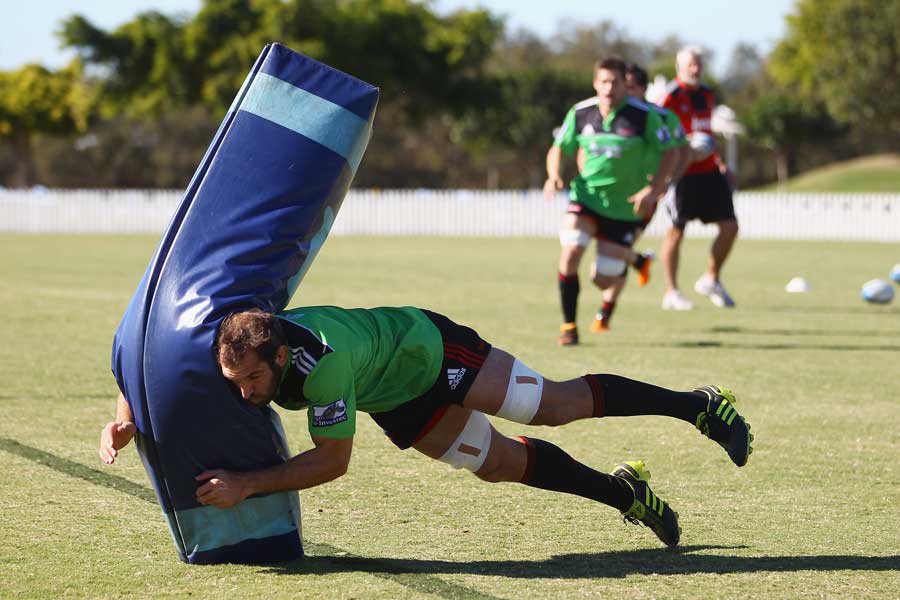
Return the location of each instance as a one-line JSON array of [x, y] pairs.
[[730, 177], [551, 186], [114, 436], [222, 489], [326, 461], [645, 202]]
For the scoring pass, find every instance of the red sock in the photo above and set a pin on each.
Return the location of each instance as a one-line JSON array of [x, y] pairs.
[[597, 392]]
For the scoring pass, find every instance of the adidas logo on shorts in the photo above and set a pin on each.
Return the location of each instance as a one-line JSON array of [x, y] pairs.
[[454, 376]]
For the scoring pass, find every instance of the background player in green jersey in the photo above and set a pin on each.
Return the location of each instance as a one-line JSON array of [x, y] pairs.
[[611, 198], [429, 382], [636, 82]]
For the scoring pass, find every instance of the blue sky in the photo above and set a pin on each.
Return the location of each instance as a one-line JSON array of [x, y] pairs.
[[26, 32]]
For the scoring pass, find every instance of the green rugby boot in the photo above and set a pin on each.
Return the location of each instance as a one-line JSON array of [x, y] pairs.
[[647, 507], [721, 423]]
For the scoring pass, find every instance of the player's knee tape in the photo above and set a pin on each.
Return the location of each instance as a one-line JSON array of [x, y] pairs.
[[472, 445], [523, 395], [610, 267], [574, 237]]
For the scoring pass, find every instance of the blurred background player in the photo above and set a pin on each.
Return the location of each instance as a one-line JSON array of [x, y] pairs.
[[611, 198], [636, 81], [704, 192]]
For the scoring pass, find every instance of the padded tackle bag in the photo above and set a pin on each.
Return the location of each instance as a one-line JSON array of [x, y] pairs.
[[255, 213]]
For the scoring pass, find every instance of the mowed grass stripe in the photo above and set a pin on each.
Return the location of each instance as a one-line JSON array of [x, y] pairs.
[[392, 570], [814, 373]]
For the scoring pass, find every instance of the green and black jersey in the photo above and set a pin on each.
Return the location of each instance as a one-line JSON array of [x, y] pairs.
[[677, 137], [344, 360], [617, 150]]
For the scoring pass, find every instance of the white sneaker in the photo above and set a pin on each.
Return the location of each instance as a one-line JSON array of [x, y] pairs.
[[715, 291], [675, 300]]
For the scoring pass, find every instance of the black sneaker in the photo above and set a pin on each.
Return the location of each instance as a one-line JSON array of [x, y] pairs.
[[647, 507], [721, 423]]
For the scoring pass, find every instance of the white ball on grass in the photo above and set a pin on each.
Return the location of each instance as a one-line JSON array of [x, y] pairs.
[[895, 273], [877, 291]]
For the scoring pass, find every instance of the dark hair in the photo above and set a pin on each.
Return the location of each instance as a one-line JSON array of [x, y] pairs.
[[250, 330], [638, 74], [610, 64]]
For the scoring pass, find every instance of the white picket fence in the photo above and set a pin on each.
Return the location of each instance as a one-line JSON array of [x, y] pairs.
[[860, 217]]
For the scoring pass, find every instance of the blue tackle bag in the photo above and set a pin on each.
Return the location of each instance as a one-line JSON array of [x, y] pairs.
[[255, 214]]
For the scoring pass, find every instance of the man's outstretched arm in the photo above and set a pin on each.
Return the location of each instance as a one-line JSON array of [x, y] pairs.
[[554, 181], [115, 435], [328, 460]]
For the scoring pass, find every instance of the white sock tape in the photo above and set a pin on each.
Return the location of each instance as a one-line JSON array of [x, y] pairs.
[[574, 237], [611, 267], [523, 395], [472, 445]]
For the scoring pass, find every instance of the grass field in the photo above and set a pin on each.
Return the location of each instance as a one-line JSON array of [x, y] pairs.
[[814, 514], [877, 173]]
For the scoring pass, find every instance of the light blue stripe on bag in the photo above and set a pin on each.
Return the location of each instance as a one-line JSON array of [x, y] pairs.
[[322, 121], [207, 527]]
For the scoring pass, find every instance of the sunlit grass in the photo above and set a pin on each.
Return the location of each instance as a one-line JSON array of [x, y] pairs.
[[812, 515]]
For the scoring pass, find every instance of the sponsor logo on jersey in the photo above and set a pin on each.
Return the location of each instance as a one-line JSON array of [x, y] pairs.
[[454, 376], [588, 130], [662, 134], [612, 151], [332, 414], [698, 124]]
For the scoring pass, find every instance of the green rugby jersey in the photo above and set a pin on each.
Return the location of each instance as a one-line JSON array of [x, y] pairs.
[[345, 360], [677, 137], [616, 151]]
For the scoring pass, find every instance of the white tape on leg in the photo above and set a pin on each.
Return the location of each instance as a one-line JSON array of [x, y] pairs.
[[574, 237], [472, 445], [523, 394], [611, 267]]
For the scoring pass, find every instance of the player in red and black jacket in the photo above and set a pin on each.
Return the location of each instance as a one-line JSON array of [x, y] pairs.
[[704, 192]]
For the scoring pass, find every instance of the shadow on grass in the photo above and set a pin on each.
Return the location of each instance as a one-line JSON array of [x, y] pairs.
[[419, 575], [413, 580], [74, 469], [843, 310], [806, 332], [684, 560], [781, 346]]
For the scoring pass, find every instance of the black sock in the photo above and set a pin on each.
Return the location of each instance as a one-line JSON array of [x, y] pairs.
[[616, 396], [550, 468], [568, 293], [606, 311], [639, 262]]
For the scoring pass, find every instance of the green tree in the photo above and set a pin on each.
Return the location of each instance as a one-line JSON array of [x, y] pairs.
[[518, 121], [431, 68], [155, 62], [141, 65], [845, 54], [427, 62], [784, 124], [35, 100]]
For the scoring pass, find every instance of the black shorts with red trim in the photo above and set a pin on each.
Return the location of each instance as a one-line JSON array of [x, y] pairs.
[[464, 354], [623, 233], [705, 196]]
